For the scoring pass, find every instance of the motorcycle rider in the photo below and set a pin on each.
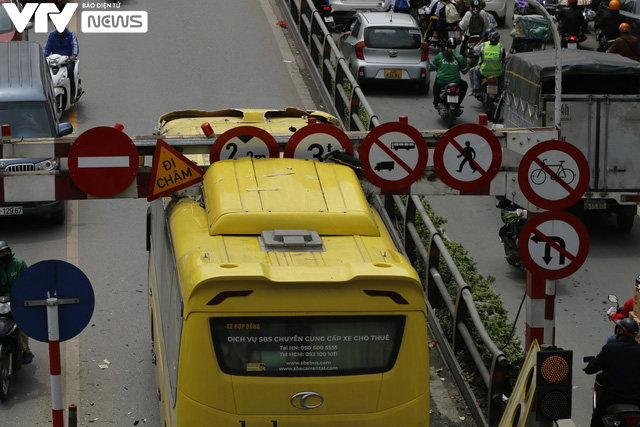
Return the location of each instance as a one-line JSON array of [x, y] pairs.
[[11, 267], [609, 24], [65, 43], [474, 22], [447, 17], [626, 44], [618, 362], [491, 58], [449, 64], [571, 21]]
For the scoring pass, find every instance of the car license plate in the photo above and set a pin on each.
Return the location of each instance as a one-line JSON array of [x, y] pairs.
[[328, 19], [593, 204], [392, 74], [453, 34], [492, 89], [452, 99], [10, 210]]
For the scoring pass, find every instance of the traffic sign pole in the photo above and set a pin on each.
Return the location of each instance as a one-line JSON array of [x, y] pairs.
[[54, 362]]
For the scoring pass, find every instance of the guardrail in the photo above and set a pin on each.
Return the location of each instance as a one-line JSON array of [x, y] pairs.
[[311, 32]]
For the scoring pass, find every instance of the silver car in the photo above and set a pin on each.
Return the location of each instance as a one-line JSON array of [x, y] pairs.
[[386, 46]]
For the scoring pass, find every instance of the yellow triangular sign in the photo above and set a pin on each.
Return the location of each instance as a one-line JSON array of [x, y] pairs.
[[171, 171]]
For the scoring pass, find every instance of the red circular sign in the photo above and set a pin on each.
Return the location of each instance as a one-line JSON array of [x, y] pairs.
[[244, 141], [315, 140], [553, 175], [103, 161], [394, 155], [553, 244], [467, 157]]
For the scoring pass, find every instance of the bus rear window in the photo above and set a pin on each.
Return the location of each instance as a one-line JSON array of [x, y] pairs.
[[306, 346]]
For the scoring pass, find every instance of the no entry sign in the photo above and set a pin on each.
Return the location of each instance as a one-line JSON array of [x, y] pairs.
[[553, 244], [467, 157], [553, 175], [394, 155], [103, 161]]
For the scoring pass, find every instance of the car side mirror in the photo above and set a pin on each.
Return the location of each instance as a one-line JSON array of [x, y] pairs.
[[65, 129]]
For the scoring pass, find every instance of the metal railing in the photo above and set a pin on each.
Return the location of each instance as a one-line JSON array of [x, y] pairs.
[[311, 32], [330, 67]]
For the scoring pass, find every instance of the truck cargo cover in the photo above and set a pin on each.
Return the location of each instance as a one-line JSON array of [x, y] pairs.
[[526, 72]]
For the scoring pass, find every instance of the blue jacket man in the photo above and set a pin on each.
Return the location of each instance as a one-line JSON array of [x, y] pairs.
[[65, 43]]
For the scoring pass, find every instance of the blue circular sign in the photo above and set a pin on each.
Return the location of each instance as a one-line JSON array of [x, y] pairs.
[[52, 279]]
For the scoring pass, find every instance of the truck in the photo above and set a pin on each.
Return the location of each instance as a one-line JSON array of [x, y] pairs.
[[600, 115]]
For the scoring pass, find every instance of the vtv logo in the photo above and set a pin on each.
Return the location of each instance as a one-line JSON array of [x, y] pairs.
[[42, 12]]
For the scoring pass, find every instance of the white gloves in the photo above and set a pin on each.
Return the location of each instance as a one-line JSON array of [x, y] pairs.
[[611, 311]]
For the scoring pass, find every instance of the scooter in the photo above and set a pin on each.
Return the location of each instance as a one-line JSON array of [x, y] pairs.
[[61, 83], [10, 351], [571, 41], [449, 106], [616, 415], [468, 53], [489, 93], [514, 219]]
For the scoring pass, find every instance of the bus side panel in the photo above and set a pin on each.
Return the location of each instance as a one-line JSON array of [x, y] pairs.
[[162, 381]]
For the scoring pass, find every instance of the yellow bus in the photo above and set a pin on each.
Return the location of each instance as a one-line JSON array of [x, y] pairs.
[[278, 299]]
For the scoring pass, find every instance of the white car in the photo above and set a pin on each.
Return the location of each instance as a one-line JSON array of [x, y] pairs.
[[498, 8], [343, 10], [383, 46]]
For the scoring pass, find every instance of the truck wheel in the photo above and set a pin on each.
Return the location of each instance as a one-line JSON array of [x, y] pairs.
[[624, 220]]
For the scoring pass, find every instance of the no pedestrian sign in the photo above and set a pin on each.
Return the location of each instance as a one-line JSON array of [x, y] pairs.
[[553, 244], [467, 157], [171, 171]]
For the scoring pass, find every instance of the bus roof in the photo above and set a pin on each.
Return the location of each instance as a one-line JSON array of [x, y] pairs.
[[188, 122], [248, 196], [226, 240]]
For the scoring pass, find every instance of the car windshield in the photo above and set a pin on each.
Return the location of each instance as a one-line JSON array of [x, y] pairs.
[[27, 119], [392, 38], [5, 21]]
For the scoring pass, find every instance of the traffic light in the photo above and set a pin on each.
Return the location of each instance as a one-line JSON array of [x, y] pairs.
[[553, 384]]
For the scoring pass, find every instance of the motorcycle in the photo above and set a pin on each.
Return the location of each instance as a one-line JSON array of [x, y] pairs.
[[468, 53], [616, 415], [570, 41], [514, 219], [10, 351], [449, 107], [61, 83], [489, 93]]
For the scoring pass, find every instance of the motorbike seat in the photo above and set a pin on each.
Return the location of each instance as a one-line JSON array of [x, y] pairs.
[[622, 408]]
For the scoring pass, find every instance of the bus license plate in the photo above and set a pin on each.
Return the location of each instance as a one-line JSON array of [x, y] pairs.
[[392, 74], [595, 204], [492, 89], [10, 210], [452, 99]]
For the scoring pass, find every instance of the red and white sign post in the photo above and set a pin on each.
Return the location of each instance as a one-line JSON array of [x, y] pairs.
[[55, 367]]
